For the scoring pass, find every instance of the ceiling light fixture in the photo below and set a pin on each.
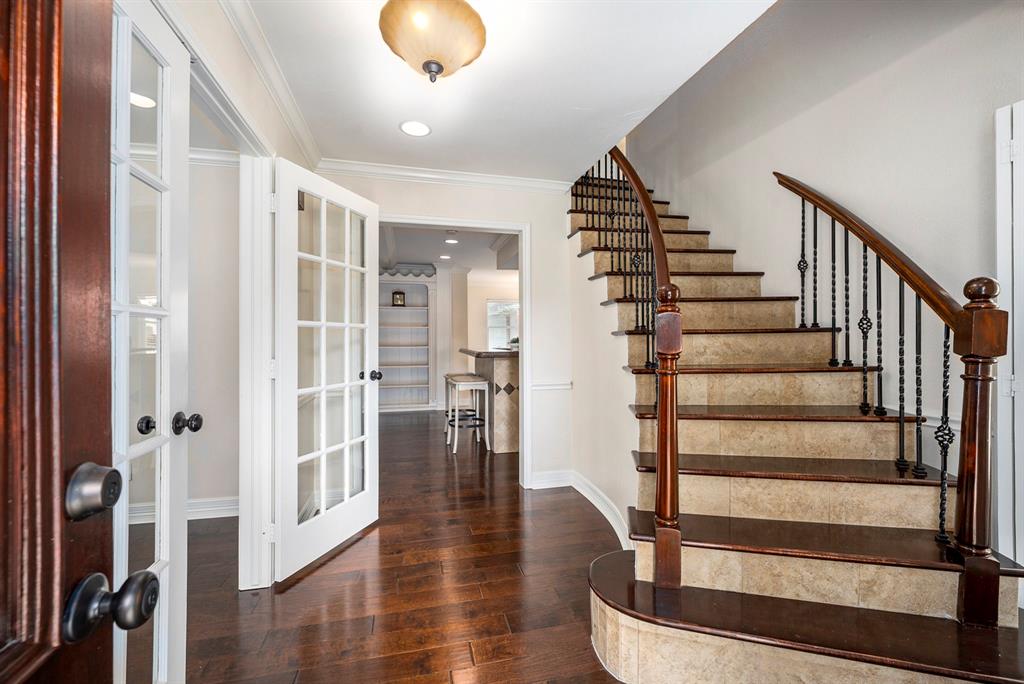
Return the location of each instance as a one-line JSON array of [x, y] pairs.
[[438, 37], [141, 101], [415, 128], [445, 256], [451, 241]]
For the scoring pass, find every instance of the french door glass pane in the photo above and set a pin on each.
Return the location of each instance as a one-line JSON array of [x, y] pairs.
[[309, 423], [143, 506], [309, 290], [358, 310], [143, 374], [335, 478], [145, 108], [335, 420], [335, 294], [335, 356], [335, 232], [357, 364], [356, 468], [144, 244], [358, 250], [358, 421], [309, 357], [309, 489], [309, 223], [140, 654]]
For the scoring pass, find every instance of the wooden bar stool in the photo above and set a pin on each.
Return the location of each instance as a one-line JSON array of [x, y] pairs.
[[479, 387]]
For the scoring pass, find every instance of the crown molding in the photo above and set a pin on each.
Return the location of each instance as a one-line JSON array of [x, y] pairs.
[[416, 174], [210, 157], [247, 26]]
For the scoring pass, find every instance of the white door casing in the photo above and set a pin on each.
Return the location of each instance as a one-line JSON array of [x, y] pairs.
[[326, 299], [149, 256]]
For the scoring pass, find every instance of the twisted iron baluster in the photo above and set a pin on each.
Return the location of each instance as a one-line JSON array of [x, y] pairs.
[[944, 436], [901, 460], [834, 361], [846, 295], [814, 271], [801, 265], [879, 407], [864, 324], [919, 470]]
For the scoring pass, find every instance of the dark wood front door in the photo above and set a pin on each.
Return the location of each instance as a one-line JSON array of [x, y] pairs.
[[55, 67]]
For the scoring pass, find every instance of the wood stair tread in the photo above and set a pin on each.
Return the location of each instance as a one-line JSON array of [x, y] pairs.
[[725, 368], [931, 645], [707, 274], [696, 300], [866, 471], [638, 212], [731, 331], [798, 412], [669, 250], [665, 231]]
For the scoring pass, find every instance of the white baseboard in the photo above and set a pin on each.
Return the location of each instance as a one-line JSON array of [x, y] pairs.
[[196, 509], [549, 479]]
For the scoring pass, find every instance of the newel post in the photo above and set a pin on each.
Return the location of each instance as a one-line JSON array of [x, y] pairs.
[[668, 345], [980, 338]]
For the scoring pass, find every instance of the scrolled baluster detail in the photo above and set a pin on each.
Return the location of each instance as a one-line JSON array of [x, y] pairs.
[[801, 265], [944, 436], [864, 325]]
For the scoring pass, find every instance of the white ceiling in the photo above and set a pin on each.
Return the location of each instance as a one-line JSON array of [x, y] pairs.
[[417, 245], [558, 83]]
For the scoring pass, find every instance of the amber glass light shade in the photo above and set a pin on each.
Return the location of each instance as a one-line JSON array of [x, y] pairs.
[[435, 37]]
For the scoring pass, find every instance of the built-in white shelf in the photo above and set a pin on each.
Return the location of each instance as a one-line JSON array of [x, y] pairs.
[[405, 343], [427, 386], [406, 327], [404, 308], [403, 365]]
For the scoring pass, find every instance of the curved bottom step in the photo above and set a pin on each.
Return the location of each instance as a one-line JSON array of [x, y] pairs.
[[650, 636]]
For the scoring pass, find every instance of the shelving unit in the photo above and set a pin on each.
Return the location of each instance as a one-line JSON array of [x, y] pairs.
[[406, 344]]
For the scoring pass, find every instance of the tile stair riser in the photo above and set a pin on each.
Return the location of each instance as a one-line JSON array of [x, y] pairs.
[[719, 348], [758, 314], [795, 438], [593, 238], [622, 203], [666, 222], [847, 503], [742, 389], [864, 585], [698, 286], [677, 261]]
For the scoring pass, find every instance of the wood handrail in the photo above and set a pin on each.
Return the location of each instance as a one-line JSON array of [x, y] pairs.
[[661, 271], [979, 332]]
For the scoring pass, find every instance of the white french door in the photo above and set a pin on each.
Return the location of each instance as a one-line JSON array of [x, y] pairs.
[[326, 282], [149, 256]]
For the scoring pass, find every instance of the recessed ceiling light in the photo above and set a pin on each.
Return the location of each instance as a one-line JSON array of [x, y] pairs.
[[141, 101], [451, 241], [445, 256], [415, 128]]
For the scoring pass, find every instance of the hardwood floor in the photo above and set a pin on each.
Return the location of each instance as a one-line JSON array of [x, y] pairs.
[[466, 578]]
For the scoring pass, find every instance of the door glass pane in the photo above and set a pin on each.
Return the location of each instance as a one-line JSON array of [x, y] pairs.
[[309, 291], [335, 356], [140, 655], [309, 423], [356, 243], [335, 418], [309, 223], [309, 357], [335, 478], [335, 294], [335, 232], [143, 505], [356, 468], [309, 489], [144, 244], [358, 309], [145, 108], [357, 363], [143, 375], [356, 405]]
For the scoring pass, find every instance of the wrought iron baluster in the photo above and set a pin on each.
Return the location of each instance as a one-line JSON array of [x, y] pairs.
[[814, 271], [944, 436], [846, 295], [879, 406], [864, 324], [613, 218], [801, 265], [901, 459], [834, 361], [919, 470]]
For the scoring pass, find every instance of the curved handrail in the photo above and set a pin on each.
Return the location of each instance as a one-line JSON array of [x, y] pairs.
[[661, 272], [973, 334]]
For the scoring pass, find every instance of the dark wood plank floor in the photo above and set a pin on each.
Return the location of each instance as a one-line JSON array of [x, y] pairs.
[[466, 578]]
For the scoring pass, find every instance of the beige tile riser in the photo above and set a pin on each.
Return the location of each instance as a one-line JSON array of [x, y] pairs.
[[663, 655], [698, 286], [847, 503], [762, 314], [718, 348], [813, 439], [917, 591], [677, 261], [592, 238], [584, 220], [621, 202], [789, 389]]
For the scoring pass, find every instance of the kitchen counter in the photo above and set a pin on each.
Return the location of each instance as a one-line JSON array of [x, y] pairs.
[[501, 369]]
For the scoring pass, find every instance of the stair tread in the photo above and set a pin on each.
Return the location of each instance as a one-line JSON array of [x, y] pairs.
[[669, 250], [711, 274], [723, 368], [867, 471], [798, 412], [924, 644], [695, 300], [666, 231], [636, 213], [731, 331]]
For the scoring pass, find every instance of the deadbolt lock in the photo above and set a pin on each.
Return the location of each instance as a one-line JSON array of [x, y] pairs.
[[93, 489]]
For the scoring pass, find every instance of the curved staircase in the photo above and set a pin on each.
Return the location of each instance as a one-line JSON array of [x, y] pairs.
[[797, 537]]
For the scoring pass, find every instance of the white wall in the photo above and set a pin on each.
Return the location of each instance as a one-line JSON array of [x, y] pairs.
[[482, 286], [551, 354], [213, 330]]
